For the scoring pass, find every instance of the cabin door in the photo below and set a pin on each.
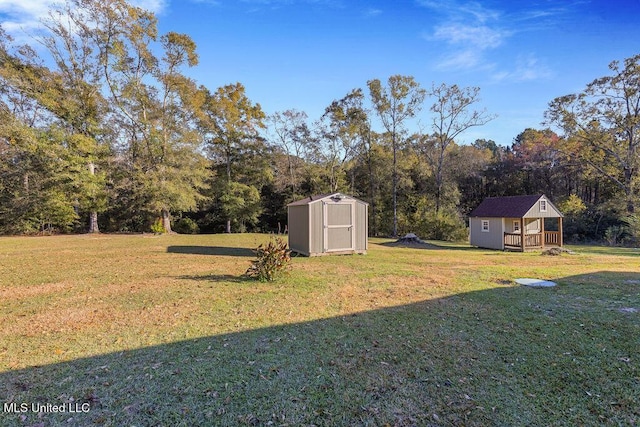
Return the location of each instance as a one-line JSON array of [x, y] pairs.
[[339, 230]]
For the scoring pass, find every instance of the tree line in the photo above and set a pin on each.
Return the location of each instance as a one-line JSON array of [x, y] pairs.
[[102, 129]]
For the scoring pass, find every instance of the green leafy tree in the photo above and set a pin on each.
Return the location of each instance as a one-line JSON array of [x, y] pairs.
[[452, 115], [602, 127], [231, 123], [400, 100], [40, 171], [290, 134], [241, 203], [73, 95], [154, 104], [34, 180], [346, 131]]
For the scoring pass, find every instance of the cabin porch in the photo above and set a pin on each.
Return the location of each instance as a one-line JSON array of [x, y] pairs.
[[524, 240]]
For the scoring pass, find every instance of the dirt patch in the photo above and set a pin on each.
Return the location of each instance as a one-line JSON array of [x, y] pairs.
[[410, 240], [25, 292], [557, 251]]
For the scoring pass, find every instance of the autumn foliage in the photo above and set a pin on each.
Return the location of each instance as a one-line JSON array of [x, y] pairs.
[[272, 261]]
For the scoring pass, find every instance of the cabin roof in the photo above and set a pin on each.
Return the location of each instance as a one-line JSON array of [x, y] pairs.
[[509, 207]]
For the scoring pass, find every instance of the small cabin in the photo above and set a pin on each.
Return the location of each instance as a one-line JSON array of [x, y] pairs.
[[328, 224], [515, 223]]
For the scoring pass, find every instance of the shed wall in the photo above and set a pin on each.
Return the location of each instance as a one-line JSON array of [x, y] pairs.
[[531, 225], [493, 239], [345, 226], [362, 226], [316, 224], [298, 224], [535, 211]]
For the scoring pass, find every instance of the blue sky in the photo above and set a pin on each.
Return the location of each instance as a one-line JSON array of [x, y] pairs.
[[303, 54]]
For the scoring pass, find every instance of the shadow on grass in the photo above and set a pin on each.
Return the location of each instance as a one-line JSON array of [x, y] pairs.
[[505, 356], [431, 244], [606, 250], [219, 278], [211, 250]]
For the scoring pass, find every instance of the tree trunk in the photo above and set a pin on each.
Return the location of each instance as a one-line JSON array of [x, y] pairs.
[[394, 178], [166, 220], [228, 226], [93, 215], [372, 193], [629, 190], [439, 179], [93, 222]]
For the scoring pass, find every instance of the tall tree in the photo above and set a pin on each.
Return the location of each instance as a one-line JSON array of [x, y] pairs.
[[290, 133], [155, 105], [452, 115], [76, 100], [602, 126], [38, 168], [347, 131], [232, 123], [400, 100], [538, 157]]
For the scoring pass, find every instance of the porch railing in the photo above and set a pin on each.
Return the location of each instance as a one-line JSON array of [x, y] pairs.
[[514, 240], [552, 238]]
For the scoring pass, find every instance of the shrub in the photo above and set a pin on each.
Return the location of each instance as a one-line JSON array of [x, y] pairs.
[[442, 226], [157, 227], [186, 226], [632, 224], [614, 235], [272, 261]]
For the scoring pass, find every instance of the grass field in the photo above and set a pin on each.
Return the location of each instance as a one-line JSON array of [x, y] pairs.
[[166, 331]]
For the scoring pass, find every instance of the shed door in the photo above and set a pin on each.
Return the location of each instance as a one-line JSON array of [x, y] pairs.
[[339, 232]]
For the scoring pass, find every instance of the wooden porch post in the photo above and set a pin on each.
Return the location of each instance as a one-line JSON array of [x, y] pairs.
[[560, 231], [542, 238], [522, 227]]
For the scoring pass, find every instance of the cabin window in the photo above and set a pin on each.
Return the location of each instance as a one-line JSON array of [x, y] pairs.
[[485, 226], [543, 205], [516, 226]]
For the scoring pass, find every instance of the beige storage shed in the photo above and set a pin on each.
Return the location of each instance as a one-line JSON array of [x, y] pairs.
[[515, 223], [328, 224]]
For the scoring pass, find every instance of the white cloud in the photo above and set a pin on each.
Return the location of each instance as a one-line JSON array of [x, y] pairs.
[[480, 13], [462, 11], [527, 68], [470, 29], [475, 33], [371, 12], [17, 16], [461, 60], [208, 2], [155, 6], [482, 37], [471, 44]]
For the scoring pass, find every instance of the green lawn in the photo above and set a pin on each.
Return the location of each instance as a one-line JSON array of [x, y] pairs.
[[165, 331]]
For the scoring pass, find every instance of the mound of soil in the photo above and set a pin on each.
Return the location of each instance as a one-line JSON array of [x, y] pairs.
[[556, 251], [410, 240]]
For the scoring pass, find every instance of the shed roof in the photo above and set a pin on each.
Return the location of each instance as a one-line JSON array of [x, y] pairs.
[[318, 197], [509, 207]]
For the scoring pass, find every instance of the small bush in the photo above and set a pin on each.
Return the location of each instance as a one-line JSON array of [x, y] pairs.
[[157, 227], [442, 226], [632, 224], [272, 261], [186, 226], [614, 235]]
